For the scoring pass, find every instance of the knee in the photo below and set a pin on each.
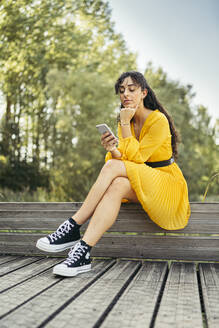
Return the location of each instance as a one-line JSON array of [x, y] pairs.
[[110, 166], [119, 185]]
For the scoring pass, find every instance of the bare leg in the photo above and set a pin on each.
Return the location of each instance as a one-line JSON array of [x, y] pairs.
[[108, 173], [107, 210]]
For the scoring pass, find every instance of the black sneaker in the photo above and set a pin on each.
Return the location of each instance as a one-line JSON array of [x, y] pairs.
[[66, 236], [78, 261]]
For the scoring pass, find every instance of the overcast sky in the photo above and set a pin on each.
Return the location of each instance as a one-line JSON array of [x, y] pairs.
[[180, 36]]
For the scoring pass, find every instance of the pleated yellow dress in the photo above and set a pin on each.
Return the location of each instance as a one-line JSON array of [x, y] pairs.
[[162, 191]]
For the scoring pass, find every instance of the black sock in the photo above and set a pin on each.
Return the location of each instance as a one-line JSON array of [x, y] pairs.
[[75, 223], [85, 244]]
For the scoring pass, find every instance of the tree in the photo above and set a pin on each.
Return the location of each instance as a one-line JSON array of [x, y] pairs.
[[37, 38], [198, 151]]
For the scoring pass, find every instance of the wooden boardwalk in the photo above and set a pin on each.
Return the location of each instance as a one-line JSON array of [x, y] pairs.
[[115, 293], [142, 275]]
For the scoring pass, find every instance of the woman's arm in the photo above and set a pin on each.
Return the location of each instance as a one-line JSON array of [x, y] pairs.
[[116, 153], [139, 152], [126, 115]]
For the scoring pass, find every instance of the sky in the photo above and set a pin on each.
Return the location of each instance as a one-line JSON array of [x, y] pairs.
[[182, 37]]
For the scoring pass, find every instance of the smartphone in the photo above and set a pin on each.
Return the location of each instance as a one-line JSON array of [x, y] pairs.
[[103, 128]]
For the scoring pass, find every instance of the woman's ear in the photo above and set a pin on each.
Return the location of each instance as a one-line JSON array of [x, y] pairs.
[[144, 93]]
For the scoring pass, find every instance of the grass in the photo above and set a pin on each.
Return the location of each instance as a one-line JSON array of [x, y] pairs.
[[208, 185]]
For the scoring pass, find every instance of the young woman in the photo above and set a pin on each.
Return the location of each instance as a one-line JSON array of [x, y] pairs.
[[141, 168]]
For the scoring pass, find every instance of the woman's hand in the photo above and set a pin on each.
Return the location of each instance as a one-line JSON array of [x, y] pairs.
[[127, 113], [108, 141]]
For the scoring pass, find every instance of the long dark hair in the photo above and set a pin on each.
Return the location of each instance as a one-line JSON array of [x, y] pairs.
[[151, 102]]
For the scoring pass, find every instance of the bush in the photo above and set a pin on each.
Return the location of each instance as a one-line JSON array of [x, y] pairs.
[[20, 176]]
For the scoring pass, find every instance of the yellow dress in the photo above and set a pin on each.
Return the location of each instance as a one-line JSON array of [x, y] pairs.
[[162, 191]]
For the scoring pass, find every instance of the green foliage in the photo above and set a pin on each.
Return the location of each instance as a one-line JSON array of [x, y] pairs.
[[198, 150], [58, 60], [81, 100], [58, 64], [38, 195], [21, 175]]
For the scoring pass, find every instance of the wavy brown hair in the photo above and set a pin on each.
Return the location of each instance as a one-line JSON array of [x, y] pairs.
[[151, 102]]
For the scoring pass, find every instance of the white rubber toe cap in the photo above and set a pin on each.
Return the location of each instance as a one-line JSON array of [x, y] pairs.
[[44, 240], [43, 243], [63, 270]]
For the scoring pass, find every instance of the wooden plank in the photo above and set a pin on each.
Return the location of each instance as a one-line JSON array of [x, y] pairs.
[[24, 273], [209, 276], [4, 259], [127, 221], [203, 215], [95, 300], [63, 214], [126, 246], [131, 218], [180, 305], [158, 247], [45, 304], [15, 265], [135, 308], [9, 206], [205, 206], [37, 214], [195, 206], [34, 286]]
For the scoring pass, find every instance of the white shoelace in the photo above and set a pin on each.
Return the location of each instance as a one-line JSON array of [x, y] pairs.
[[62, 229], [75, 253]]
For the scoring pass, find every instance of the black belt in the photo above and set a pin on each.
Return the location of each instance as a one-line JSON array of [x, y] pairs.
[[161, 163]]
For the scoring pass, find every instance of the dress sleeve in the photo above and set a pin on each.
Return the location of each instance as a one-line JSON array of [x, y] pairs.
[[139, 152], [108, 156]]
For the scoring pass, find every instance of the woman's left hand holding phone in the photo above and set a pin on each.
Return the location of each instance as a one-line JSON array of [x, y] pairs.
[[108, 141]]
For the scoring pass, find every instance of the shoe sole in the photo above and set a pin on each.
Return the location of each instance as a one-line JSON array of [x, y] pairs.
[[71, 272], [54, 248]]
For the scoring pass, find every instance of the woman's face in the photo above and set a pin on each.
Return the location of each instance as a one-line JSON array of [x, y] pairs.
[[130, 93]]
